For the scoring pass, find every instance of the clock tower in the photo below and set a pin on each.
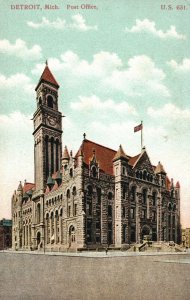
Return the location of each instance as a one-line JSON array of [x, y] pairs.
[[47, 129]]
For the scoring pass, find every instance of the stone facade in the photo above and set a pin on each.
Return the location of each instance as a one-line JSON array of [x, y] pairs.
[[97, 198], [186, 237]]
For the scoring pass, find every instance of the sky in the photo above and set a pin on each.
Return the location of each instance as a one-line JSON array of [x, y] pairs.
[[117, 64]]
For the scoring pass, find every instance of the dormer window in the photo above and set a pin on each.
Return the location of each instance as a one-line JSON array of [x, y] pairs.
[[50, 101]]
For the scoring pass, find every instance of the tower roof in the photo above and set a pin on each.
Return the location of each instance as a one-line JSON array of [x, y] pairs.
[[47, 76], [20, 187], [65, 153], [177, 185], [160, 169], [120, 154]]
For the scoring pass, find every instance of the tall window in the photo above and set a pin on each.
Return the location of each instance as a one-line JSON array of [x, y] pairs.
[[50, 101], [94, 172], [75, 209], [144, 196], [109, 210], [132, 211], [154, 199], [38, 213], [133, 193], [68, 194]]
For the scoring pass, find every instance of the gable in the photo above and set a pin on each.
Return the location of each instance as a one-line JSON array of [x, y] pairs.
[[143, 163]]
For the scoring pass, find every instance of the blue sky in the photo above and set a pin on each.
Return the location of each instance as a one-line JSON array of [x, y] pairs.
[[121, 63]]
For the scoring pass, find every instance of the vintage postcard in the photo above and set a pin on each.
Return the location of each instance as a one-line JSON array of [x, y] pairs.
[[94, 149]]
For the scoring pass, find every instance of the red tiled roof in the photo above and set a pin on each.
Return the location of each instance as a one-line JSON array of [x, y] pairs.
[[104, 155], [28, 186], [48, 77], [132, 160]]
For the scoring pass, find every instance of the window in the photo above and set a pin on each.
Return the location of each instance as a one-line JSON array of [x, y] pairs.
[[169, 206], [144, 213], [68, 194], [132, 211], [133, 193], [154, 216], [94, 172], [38, 213], [154, 199], [40, 101], [50, 101], [123, 211], [123, 170], [74, 191], [61, 212], [69, 211], [71, 172], [110, 196], [124, 191], [144, 196], [75, 209], [144, 175], [89, 190], [109, 210]]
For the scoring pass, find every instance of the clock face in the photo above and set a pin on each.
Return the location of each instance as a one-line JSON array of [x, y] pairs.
[[51, 121]]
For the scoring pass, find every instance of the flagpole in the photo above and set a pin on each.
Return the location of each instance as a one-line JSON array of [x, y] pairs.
[[141, 135]]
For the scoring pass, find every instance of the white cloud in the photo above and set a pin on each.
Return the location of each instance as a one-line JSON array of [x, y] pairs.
[[15, 119], [141, 77], [45, 23], [20, 49], [79, 23], [169, 111], [18, 80], [183, 67], [150, 27], [93, 103]]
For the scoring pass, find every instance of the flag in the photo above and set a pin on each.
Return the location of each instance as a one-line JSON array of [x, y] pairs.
[[138, 127]]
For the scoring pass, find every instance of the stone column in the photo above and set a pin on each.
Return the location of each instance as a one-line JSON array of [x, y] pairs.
[[60, 230], [55, 229]]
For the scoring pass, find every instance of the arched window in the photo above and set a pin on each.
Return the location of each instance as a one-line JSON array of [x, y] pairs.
[[72, 234], [74, 191], [68, 194], [110, 196], [109, 210], [144, 196], [169, 206], [137, 174], [38, 213], [50, 101], [140, 175], [40, 101], [61, 212], [94, 172], [144, 174], [133, 193], [71, 172], [154, 199], [89, 190]]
